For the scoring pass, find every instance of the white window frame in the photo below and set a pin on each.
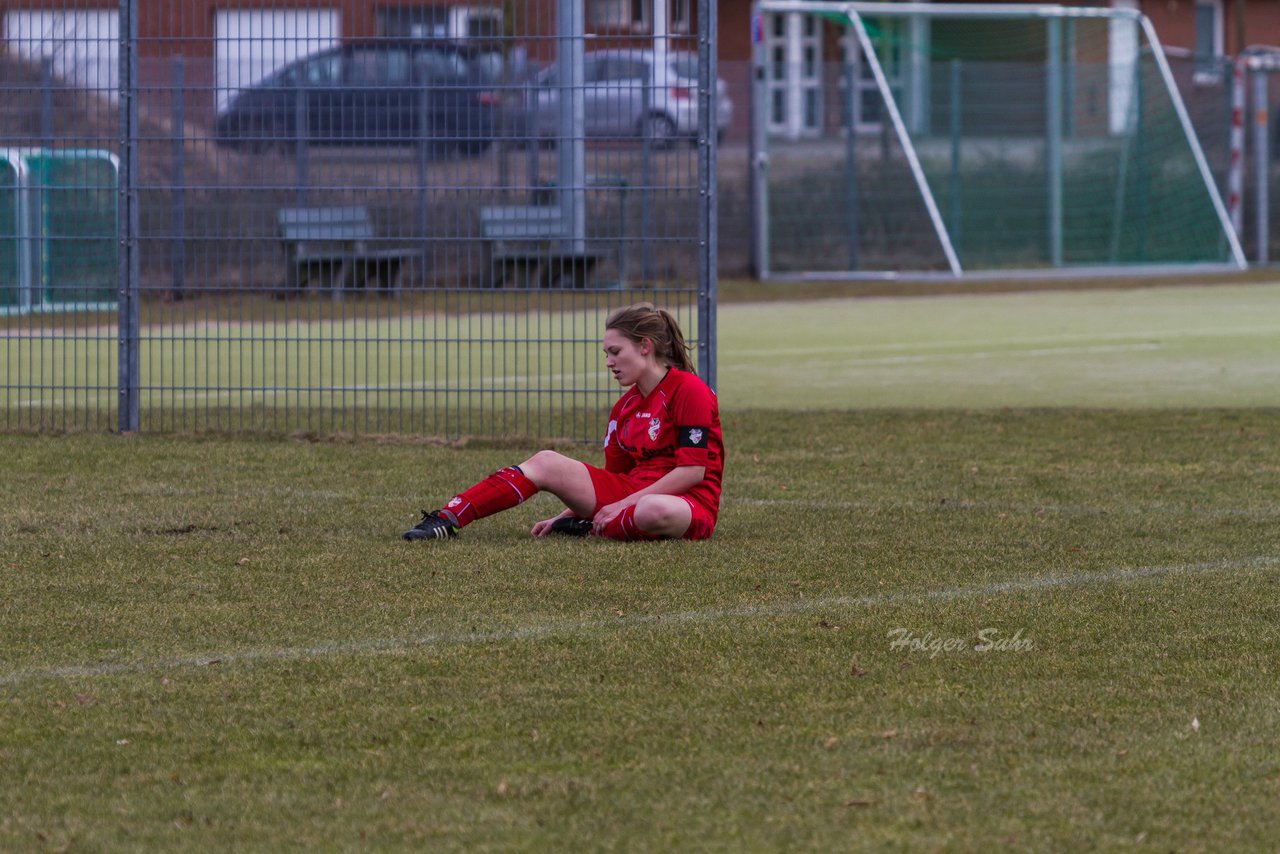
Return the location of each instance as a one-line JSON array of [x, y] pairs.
[[795, 85], [618, 15], [681, 16]]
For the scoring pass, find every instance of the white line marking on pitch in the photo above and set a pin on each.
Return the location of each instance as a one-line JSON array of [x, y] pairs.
[[397, 646]]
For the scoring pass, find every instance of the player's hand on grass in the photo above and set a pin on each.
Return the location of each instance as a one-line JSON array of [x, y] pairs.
[[541, 529]]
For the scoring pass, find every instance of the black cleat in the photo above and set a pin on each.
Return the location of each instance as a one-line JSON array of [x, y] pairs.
[[571, 526], [432, 527]]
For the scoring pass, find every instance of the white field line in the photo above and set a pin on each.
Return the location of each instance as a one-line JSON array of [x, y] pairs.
[[503, 384], [970, 355], [481, 385], [961, 504], [1147, 336], [403, 645]]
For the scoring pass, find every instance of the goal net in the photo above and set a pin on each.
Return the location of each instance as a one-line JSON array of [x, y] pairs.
[[911, 138]]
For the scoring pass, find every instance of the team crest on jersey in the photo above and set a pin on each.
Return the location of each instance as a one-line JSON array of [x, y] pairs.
[[655, 424], [695, 436]]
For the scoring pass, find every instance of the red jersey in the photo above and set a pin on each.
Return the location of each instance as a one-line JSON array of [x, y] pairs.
[[676, 424]]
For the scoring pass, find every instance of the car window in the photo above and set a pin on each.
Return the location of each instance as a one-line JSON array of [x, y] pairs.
[[285, 77], [438, 66], [324, 71], [626, 69], [378, 68], [595, 69], [685, 65]]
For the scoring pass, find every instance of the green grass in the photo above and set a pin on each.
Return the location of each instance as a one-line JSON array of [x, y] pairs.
[[465, 366], [1149, 348], [221, 643]]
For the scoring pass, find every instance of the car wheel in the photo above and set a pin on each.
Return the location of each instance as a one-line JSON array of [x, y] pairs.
[[658, 129]]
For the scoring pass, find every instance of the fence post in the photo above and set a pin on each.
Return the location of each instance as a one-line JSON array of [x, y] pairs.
[[128, 269], [646, 189], [851, 157], [758, 152], [178, 193], [957, 171], [423, 151], [47, 83], [1053, 141], [571, 166], [708, 130], [302, 131]]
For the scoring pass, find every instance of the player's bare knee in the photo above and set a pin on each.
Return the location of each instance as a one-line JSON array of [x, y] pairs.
[[657, 516], [545, 468]]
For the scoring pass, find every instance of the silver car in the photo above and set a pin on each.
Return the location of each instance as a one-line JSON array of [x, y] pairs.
[[629, 93]]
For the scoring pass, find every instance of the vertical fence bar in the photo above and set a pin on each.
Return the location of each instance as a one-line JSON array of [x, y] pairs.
[[850, 120], [571, 169], [178, 193], [1262, 162], [1053, 139], [758, 153], [47, 82], [956, 181], [302, 163], [647, 229], [129, 413], [1069, 78], [707, 226]]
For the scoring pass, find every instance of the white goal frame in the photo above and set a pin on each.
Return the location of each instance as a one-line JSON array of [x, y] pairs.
[[854, 12]]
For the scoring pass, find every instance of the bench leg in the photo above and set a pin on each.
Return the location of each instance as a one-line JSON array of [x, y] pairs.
[[574, 272], [389, 277], [384, 274], [530, 272], [497, 273], [520, 272]]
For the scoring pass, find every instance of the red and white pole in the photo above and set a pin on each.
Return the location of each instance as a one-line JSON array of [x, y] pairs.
[[1235, 173]]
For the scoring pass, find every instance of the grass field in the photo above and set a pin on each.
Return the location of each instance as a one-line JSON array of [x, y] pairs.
[[205, 366], [938, 613]]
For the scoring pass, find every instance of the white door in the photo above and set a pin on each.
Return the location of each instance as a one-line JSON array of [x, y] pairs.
[[81, 44], [252, 43], [793, 51]]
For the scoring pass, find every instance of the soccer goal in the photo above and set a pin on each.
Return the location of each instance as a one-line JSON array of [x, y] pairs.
[[962, 139], [58, 230]]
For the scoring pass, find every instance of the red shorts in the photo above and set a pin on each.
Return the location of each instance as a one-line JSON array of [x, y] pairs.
[[611, 486]]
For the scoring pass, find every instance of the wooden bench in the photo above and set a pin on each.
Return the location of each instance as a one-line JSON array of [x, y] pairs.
[[329, 247], [523, 246]]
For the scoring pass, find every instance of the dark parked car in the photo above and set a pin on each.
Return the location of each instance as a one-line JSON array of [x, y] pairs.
[[383, 93]]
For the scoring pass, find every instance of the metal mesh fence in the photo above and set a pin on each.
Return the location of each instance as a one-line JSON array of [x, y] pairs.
[[407, 217]]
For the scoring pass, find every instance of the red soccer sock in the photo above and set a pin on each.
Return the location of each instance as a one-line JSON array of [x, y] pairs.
[[624, 527], [500, 491]]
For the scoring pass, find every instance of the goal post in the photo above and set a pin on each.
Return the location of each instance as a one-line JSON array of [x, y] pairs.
[[973, 139]]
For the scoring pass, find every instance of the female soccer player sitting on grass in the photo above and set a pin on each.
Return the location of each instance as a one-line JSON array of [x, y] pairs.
[[663, 452]]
